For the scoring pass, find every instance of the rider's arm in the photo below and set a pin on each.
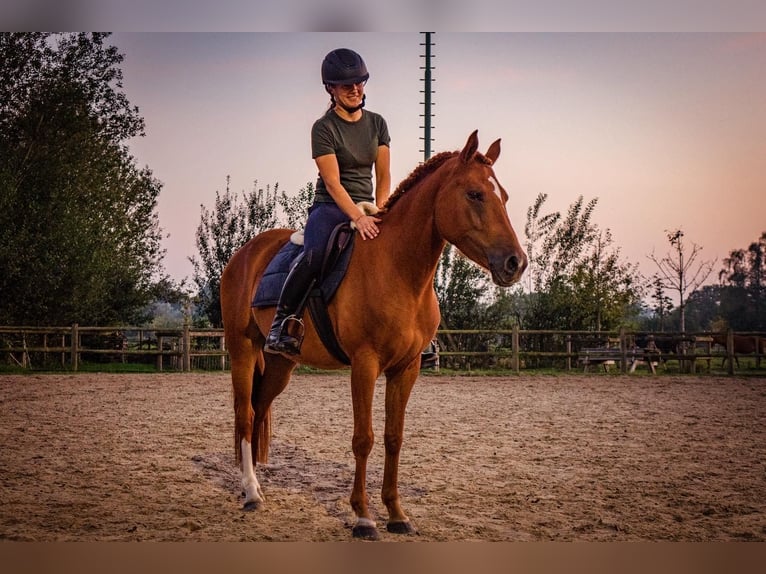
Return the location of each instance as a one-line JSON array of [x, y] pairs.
[[382, 175], [330, 174]]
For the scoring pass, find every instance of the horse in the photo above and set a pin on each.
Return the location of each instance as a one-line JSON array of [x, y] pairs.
[[384, 313], [742, 345]]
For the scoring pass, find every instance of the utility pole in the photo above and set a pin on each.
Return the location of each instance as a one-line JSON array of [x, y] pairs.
[[427, 139], [427, 91]]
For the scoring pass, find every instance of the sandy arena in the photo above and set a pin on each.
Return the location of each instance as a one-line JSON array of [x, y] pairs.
[[95, 457]]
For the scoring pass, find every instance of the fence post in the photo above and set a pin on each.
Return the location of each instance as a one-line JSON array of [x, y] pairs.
[[187, 346], [569, 352], [730, 350], [223, 350], [75, 346], [26, 362], [160, 343], [515, 349], [623, 351]]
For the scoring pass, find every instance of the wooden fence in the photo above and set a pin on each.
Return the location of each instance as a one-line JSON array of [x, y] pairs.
[[174, 349], [188, 348]]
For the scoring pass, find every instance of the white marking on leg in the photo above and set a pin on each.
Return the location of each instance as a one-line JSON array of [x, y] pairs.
[[253, 492]]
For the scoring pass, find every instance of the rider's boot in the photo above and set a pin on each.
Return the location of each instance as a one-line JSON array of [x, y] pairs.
[[294, 291]]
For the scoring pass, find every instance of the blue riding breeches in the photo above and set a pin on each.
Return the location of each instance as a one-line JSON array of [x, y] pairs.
[[322, 219]]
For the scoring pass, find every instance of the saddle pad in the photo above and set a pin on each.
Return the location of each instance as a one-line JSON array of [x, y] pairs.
[[270, 287]]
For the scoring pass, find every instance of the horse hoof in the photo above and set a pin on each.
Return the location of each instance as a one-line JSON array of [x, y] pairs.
[[365, 531], [251, 505], [402, 527]]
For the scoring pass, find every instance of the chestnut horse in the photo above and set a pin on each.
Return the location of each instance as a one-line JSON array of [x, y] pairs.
[[742, 345], [384, 313]]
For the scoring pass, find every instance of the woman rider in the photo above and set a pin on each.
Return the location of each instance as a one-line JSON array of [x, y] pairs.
[[346, 142]]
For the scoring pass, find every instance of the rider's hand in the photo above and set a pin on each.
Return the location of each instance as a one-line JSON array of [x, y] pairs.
[[367, 226]]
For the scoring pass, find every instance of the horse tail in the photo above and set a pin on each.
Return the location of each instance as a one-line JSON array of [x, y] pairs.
[[264, 439], [262, 434]]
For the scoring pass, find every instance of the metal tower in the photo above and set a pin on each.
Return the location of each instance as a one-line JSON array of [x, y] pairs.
[[427, 103]]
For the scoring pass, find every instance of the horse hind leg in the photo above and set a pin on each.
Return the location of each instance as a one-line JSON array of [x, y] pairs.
[[246, 372], [268, 383], [250, 485]]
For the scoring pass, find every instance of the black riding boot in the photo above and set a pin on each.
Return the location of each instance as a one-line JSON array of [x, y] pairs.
[[294, 291]]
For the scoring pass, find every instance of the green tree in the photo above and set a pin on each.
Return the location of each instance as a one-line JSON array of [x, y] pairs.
[[703, 308], [744, 275], [606, 290], [79, 234], [228, 226], [294, 208], [536, 228], [232, 222], [579, 279], [663, 304], [508, 308], [460, 287]]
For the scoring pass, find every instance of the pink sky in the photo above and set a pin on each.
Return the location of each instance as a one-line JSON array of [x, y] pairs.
[[667, 130]]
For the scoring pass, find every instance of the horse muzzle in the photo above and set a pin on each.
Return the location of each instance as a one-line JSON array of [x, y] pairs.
[[508, 269]]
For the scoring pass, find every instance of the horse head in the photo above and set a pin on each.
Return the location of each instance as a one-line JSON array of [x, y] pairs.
[[470, 214]]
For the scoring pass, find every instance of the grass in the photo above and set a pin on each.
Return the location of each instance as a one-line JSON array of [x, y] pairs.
[[747, 367]]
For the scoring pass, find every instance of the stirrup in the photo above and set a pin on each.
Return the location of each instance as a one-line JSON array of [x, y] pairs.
[[289, 338]]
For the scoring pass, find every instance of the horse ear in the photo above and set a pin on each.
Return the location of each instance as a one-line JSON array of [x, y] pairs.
[[494, 151], [470, 147]]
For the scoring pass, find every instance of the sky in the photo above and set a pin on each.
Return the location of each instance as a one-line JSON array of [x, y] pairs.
[[667, 130]]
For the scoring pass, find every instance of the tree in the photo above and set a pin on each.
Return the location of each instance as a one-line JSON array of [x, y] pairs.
[[562, 240], [232, 222], [295, 208], [605, 288], [578, 278], [171, 304], [703, 308], [681, 271], [79, 234], [459, 285], [507, 308], [663, 304], [744, 276], [536, 228], [223, 230]]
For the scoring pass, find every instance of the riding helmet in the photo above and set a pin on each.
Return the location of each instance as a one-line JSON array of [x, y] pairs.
[[344, 66]]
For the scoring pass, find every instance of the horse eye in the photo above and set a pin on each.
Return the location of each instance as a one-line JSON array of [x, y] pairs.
[[475, 195]]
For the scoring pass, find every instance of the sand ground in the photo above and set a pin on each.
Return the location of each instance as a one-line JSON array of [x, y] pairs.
[[128, 457]]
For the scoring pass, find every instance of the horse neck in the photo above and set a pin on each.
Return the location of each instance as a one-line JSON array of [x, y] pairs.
[[413, 239]]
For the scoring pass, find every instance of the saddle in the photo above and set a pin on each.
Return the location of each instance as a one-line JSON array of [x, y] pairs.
[[334, 265]]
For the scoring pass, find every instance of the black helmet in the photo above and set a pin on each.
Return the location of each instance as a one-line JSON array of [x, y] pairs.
[[344, 66]]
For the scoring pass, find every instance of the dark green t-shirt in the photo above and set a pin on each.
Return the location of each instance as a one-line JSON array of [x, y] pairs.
[[355, 145]]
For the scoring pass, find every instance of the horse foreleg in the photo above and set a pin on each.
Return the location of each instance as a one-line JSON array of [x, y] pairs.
[[398, 388], [362, 390]]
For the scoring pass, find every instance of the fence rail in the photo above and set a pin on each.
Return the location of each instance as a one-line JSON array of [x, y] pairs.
[[175, 349], [188, 348]]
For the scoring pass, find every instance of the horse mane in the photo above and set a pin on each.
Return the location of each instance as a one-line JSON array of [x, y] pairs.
[[423, 170]]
